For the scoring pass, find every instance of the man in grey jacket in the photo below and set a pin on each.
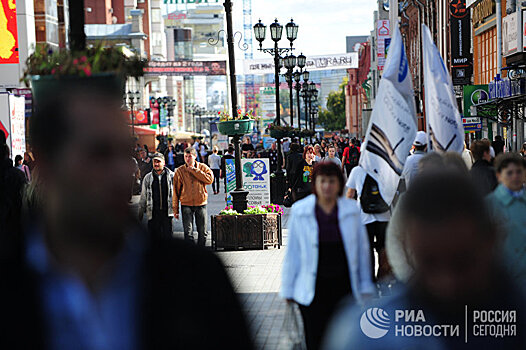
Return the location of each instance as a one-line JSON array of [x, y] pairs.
[[156, 198]]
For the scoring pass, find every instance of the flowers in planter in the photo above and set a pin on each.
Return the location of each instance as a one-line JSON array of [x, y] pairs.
[[228, 211], [94, 60], [225, 116], [273, 208], [254, 210]]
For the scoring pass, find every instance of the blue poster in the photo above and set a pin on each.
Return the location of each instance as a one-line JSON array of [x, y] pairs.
[[230, 166]]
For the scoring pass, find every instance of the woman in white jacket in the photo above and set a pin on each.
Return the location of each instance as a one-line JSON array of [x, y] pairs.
[[327, 254]]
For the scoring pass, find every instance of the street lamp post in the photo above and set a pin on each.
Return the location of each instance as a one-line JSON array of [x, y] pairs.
[[133, 98], [276, 31], [301, 61], [239, 195], [289, 63]]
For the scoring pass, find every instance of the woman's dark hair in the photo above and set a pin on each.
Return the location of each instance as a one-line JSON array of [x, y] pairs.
[[18, 159], [328, 169], [503, 160], [306, 150]]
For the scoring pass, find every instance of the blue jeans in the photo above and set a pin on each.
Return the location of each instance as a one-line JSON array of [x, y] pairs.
[[188, 213]]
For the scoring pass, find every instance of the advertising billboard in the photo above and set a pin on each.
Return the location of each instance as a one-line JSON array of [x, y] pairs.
[[186, 68], [8, 32], [461, 57], [313, 63]]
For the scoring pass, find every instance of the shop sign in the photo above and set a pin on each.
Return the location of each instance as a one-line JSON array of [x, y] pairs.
[[471, 127], [506, 87], [483, 10], [461, 57], [474, 95], [510, 34]]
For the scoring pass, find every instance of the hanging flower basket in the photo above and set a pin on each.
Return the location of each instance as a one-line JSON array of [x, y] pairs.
[[235, 127], [99, 68], [278, 134]]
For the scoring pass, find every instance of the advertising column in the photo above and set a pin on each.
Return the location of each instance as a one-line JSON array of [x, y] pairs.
[[12, 122], [460, 31], [383, 34]]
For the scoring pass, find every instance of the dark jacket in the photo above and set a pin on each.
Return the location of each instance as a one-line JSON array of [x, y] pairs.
[[12, 182], [293, 163], [483, 176], [187, 303], [145, 167]]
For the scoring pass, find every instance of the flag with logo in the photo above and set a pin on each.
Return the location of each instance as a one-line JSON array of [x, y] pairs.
[[392, 128], [444, 125]]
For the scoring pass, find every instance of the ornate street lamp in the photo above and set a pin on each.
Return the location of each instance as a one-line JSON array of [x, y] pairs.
[[133, 99], [276, 31], [292, 31]]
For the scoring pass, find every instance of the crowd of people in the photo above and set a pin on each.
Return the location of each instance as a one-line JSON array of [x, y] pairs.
[[454, 236]]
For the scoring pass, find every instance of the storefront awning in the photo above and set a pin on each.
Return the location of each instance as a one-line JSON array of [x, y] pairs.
[[502, 110]]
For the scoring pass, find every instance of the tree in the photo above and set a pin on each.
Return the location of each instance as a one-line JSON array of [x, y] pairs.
[[333, 118]]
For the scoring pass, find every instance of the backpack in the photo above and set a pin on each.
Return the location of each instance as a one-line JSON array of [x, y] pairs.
[[354, 156], [371, 199]]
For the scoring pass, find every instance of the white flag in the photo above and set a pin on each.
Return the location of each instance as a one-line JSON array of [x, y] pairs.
[[444, 125], [392, 128]]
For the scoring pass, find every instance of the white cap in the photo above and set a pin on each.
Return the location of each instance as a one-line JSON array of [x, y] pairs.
[[420, 139]]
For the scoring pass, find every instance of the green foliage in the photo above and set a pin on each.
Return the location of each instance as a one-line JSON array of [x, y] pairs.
[[333, 118]]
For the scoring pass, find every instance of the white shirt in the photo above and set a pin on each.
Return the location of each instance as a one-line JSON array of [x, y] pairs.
[[411, 167], [355, 181], [215, 161]]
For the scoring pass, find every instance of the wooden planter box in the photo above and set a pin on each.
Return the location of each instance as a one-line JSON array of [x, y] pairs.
[[252, 232]]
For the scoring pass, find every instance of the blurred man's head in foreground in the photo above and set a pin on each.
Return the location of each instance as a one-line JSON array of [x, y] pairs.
[[83, 149], [450, 235]]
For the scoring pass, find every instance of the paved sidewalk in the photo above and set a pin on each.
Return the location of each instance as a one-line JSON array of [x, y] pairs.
[[256, 277]]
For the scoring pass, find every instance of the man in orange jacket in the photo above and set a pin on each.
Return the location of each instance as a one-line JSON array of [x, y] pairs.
[[190, 182]]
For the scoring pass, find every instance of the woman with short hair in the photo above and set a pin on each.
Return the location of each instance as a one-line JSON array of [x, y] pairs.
[[327, 256]]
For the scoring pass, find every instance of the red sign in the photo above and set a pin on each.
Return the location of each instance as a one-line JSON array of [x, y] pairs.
[[2, 128], [141, 117], [8, 32], [186, 68]]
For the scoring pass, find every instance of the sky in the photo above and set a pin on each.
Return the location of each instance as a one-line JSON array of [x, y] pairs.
[[323, 24]]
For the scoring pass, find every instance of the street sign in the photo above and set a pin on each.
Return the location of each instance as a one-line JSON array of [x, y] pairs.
[[471, 120], [256, 180], [472, 127]]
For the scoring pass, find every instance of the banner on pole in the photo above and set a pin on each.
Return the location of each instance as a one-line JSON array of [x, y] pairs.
[[444, 124], [392, 128]]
